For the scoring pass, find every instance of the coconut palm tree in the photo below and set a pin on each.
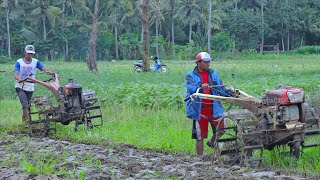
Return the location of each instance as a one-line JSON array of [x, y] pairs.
[[118, 13], [214, 18], [157, 14], [46, 12], [9, 6], [92, 54], [71, 9], [189, 12], [145, 15], [173, 9]]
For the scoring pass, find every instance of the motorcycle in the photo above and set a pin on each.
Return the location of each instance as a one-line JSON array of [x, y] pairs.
[[138, 67]]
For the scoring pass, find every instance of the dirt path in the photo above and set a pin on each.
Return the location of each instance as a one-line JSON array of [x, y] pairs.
[[69, 160]]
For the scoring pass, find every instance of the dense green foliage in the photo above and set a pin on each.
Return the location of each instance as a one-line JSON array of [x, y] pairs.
[[306, 50], [221, 42], [60, 30]]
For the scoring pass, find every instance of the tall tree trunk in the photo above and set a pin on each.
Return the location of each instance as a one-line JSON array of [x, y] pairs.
[[282, 41], [116, 41], [63, 10], [157, 36], [288, 33], [209, 27], [172, 30], [92, 59], [157, 27], [145, 27], [135, 53], [262, 30], [302, 39], [288, 39], [44, 27], [45, 34], [190, 31], [233, 35], [3, 41], [141, 34], [66, 50], [173, 8], [8, 33], [104, 55]]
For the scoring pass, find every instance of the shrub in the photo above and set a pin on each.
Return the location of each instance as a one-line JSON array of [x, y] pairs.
[[304, 50], [4, 59], [221, 42], [146, 95], [188, 51]]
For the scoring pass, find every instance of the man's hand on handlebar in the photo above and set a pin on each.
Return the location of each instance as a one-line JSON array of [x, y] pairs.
[[205, 86], [25, 80], [50, 73], [20, 80], [235, 93]]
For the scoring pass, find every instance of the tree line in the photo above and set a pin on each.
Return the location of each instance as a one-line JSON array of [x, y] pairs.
[[175, 28]]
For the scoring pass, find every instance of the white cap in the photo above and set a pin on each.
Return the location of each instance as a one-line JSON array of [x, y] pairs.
[[203, 56], [30, 49]]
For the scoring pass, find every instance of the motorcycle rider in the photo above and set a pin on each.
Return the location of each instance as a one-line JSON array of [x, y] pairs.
[[157, 63]]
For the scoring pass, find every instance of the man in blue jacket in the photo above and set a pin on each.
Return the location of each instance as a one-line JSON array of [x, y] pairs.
[[203, 111], [157, 63]]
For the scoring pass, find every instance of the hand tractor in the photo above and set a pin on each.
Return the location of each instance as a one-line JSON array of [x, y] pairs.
[[281, 117], [74, 104]]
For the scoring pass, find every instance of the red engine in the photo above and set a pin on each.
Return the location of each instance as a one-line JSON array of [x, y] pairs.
[[285, 96], [286, 105]]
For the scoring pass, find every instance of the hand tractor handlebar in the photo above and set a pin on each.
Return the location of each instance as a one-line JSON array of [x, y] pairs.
[[239, 98], [51, 85]]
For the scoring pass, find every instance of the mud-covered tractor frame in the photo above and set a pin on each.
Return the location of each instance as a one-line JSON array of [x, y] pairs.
[[73, 104], [281, 117]]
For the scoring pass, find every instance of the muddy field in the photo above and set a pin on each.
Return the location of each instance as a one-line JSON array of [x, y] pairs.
[[113, 161]]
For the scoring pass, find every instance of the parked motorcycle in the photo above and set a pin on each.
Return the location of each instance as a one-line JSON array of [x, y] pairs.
[[138, 67]]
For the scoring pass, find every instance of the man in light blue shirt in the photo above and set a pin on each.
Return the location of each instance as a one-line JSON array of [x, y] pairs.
[[24, 68]]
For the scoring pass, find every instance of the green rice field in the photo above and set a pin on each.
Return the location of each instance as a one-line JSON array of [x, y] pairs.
[[147, 109]]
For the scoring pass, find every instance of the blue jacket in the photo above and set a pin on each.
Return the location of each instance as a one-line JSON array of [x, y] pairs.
[[157, 64], [192, 82]]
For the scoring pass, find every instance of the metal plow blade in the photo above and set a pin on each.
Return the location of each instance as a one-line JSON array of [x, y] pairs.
[[41, 116], [236, 142], [312, 129], [92, 116]]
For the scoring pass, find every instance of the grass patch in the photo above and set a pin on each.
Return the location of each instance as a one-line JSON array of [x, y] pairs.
[[164, 130], [42, 164]]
